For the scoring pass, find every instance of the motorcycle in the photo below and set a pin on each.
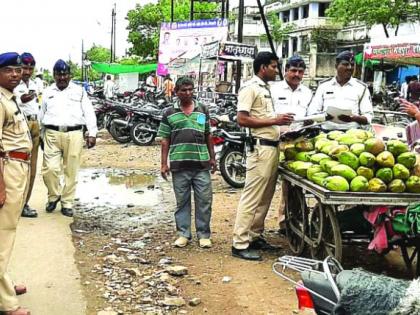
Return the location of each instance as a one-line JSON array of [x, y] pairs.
[[118, 123], [145, 125], [327, 288], [231, 150]]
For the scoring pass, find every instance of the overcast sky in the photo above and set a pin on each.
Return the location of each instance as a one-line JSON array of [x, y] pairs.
[[54, 29]]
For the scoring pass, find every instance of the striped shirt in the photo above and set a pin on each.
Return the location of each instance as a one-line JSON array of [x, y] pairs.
[[187, 134]]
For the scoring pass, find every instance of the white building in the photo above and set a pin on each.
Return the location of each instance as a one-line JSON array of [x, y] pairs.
[[307, 18]]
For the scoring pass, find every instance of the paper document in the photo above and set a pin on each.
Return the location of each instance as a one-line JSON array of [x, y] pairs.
[[315, 118], [335, 112]]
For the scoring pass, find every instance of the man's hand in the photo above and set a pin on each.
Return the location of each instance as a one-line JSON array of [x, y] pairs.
[[284, 119], [90, 142], [164, 171], [409, 108], [213, 165], [25, 98], [346, 118]]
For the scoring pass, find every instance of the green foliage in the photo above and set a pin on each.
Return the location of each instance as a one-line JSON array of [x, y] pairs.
[[278, 30], [75, 70], [388, 13], [144, 22], [98, 54]]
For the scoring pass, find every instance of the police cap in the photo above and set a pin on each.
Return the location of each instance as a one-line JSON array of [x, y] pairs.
[[10, 59], [346, 56], [27, 59], [296, 61], [61, 67]]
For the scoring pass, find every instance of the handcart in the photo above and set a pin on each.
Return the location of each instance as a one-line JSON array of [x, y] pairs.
[[311, 217]]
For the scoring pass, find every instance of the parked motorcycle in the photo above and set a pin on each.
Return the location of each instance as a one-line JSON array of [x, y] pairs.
[[145, 125], [329, 289], [231, 150], [118, 123]]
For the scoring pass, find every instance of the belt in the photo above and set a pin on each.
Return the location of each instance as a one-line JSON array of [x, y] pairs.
[[64, 128], [16, 155], [32, 117], [270, 143]]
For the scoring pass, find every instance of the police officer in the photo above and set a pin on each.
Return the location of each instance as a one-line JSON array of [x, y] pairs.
[[27, 98], [65, 110], [346, 93], [256, 111], [290, 95], [15, 153]]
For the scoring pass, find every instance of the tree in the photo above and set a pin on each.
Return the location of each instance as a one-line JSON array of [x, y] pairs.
[[388, 13], [98, 54], [144, 22], [278, 30]]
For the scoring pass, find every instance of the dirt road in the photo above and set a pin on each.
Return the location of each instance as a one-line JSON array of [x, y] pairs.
[[122, 232]]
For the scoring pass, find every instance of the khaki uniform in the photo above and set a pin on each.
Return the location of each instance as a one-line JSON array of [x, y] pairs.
[[61, 110], [15, 136], [262, 163], [31, 111]]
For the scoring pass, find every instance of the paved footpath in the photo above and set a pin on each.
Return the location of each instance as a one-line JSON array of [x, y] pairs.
[[43, 260]]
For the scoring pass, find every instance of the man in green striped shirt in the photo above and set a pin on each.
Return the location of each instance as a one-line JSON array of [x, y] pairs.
[[186, 139]]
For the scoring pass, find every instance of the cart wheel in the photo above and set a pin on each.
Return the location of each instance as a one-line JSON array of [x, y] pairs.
[[409, 259], [330, 244], [295, 219], [316, 221]]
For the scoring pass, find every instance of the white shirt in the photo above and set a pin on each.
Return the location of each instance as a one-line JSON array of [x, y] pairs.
[[287, 100], [404, 90], [150, 83], [40, 84], [109, 86], [69, 107], [31, 107], [353, 95]]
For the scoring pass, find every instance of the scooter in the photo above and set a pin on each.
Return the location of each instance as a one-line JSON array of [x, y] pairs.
[[327, 288]]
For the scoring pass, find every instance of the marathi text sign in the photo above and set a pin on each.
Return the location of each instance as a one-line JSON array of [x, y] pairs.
[[185, 39], [237, 50], [392, 51]]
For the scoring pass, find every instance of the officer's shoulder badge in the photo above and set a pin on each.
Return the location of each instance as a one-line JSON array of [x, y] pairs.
[[325, 80]]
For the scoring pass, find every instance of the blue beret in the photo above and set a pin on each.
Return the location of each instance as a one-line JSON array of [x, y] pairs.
[[27, 59], [10, 59], [345, 55], [61, 67]]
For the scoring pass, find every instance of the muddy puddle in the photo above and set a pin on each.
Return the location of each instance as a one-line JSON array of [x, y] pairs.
[[115, 188], [110, 200]]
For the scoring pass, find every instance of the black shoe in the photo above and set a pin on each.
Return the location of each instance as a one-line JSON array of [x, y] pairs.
[[68, 212], [27, 212], [51, 205], [261, 244], [248, 254]]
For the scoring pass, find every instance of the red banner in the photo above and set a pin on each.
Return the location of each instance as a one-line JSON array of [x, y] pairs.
[[392, 51]]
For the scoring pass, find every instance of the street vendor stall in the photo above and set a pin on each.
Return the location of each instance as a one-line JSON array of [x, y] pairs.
[[349, 188], [223, 52]]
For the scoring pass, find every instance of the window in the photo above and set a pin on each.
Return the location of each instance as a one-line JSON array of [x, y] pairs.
[[294, 44], [322, 7], [285, 49], [305, 13], [295, 14], [286, 16]]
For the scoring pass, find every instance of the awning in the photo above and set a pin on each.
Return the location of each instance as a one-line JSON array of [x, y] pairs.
[[115, 68]]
